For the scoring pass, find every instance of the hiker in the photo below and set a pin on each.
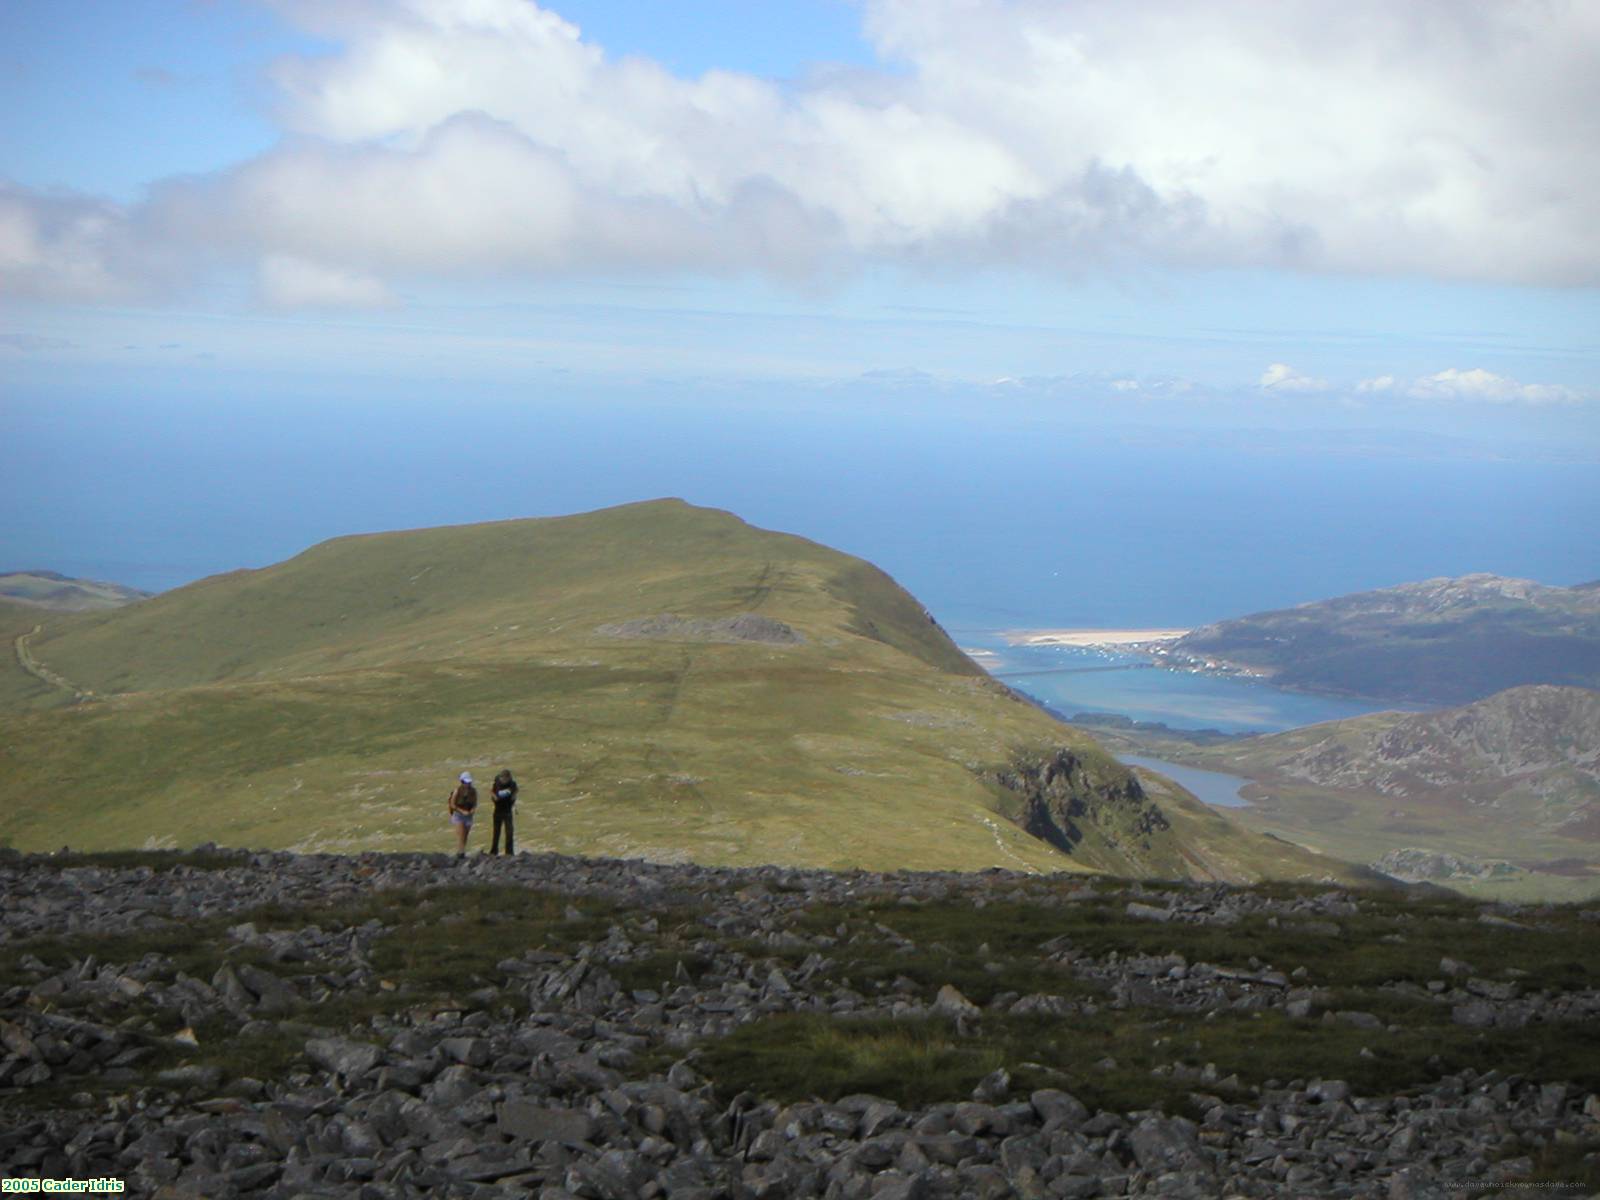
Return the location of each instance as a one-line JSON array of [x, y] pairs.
[[504, 794], [462, 804]]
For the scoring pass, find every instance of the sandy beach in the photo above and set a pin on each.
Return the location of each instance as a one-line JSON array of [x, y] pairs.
[[1090, 637]]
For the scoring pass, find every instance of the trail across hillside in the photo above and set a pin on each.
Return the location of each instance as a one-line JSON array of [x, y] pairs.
[[38, 670]]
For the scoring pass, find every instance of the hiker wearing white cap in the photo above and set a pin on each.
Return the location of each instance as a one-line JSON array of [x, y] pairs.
[[463, 803]]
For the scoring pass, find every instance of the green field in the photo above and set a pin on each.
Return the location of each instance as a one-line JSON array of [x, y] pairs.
[[328, 702]]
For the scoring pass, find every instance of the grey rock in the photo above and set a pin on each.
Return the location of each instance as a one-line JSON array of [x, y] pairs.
[[1553, 1098], [892, 1187], [454, 1086], [879, 1116], [1493, 989], [343, 1056], [1042, 1005], [990, 1183], [1023, 1156], [272, 994], [1329, 1091], [472, 1051], [1475, 1014], [1058, 1108], [951, 1003], [1076, 1187], [1148, 912], [993, 1086], [531, 1122], [232, 990], [975, 1118], [1162, 1145], [948, 1148]]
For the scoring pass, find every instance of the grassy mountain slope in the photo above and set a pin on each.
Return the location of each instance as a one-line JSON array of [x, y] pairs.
[[47, 589], [1442, 641], [329, 701], [1513, 779], [489, 592]]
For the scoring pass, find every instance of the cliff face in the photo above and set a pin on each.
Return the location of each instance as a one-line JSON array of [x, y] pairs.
[[1088, 810]]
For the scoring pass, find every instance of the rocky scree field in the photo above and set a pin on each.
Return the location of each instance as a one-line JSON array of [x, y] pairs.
[[236, 1024]]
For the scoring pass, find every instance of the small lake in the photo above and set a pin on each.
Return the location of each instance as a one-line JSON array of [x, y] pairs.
[[1211, 787]]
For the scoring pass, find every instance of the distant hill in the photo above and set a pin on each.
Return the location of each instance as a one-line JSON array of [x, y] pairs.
[[1530, 753], [47, 589], [1442, 641], [1513, 778], [667, 682]]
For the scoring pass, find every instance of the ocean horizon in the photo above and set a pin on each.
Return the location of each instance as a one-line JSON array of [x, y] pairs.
[[1010, 521], [1004, 522]]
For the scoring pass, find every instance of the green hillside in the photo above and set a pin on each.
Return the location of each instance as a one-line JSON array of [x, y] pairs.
[[666, 682], [1500, 797], [51, 590]]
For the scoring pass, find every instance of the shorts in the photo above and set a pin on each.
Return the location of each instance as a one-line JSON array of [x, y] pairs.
[[460, 818]]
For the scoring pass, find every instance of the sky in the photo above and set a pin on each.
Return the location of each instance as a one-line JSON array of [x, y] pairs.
[[1337, 219]]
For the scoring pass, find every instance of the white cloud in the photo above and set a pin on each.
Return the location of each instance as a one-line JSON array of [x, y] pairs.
[[451, 137], [289, 282], [1383, 383], [1280, 377], [1478, 384], [63, 247]]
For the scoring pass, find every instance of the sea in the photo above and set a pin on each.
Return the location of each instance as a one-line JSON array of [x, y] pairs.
[[997, 520], [1072, 680]]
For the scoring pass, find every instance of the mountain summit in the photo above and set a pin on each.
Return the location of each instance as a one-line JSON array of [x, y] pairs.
[[666, 681]]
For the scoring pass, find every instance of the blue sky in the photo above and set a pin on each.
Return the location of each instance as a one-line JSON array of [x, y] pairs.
[[1170, 214]]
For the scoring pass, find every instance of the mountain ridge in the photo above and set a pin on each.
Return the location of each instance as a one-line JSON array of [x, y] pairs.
[[1447, 640], [325, 703], [53, 591]]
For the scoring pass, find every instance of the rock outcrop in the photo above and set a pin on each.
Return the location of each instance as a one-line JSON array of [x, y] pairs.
[[1061, 795]]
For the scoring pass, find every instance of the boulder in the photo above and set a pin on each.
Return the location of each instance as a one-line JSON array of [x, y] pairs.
[[343, 1056], [531, 1122]]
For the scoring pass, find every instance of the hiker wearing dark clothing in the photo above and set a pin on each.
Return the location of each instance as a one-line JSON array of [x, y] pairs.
[[504, 792], [462, 806]]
